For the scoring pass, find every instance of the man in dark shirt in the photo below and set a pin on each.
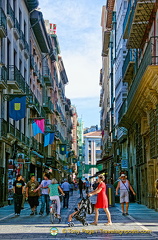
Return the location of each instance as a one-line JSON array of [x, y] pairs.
[[18, 188], [32, 195]]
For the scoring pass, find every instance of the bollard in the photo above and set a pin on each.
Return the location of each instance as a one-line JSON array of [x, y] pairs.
[[110, 195]]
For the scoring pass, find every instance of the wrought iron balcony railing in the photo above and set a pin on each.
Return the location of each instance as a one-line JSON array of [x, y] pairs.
[[149, 58]]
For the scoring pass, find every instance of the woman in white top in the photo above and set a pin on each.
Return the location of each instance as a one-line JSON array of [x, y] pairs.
[[124, 186]]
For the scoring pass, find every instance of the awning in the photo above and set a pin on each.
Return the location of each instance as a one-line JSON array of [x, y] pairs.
[[104, 159], [99, 172], [37, 154], [38, 26]]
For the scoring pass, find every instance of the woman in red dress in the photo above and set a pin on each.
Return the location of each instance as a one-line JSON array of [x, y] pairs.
[[102, 201]]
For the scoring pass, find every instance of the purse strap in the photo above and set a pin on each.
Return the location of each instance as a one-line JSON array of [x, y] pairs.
[[125, 185]]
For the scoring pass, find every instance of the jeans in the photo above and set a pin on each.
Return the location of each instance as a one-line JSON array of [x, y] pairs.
[[45, 199], [17, 203], [66, 199]]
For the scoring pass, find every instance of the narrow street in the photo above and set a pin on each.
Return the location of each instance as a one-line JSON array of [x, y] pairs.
[[140, 224]]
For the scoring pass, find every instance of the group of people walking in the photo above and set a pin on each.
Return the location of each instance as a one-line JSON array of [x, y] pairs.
[[50, 189], [47, 190]]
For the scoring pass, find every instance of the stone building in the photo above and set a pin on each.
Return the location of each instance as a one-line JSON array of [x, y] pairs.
[[31, 67]]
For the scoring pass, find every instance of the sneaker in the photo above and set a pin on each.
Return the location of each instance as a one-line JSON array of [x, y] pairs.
[[123, 214], [18, 214], [32, 213], [127, 213], [40, 213]]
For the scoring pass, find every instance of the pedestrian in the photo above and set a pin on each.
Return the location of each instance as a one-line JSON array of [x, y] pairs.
[[102, 201], [87, 185], [18, 189], [80, 185], [53, 190], [95, 184], [44, 193], [24, 194], [124, 186], [31, 195], [71, 188], [66, 189]]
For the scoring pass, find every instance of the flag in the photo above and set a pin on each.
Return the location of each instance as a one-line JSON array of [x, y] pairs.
[[17, 108], [38, 126], [48, 138], [62, 149]]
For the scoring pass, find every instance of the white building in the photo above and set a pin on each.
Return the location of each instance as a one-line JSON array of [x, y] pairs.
[[92, 141]]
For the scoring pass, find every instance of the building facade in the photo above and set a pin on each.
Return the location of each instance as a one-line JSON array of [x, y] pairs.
[[134, 148], [31, 67], [92, 145]]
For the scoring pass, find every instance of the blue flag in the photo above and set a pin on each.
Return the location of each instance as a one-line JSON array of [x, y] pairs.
[[17, 108], [62, 149], [48, 138]]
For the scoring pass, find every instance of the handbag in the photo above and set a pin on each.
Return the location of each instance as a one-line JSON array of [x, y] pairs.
[[131, 195]]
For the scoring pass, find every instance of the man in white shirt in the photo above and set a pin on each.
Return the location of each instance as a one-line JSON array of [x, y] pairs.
[[45, 196], [66, 189]]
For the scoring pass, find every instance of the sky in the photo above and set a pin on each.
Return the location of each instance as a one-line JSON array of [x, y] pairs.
[[79, 35]]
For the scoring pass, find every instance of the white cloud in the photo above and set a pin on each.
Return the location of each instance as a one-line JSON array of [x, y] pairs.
[[79, 34]]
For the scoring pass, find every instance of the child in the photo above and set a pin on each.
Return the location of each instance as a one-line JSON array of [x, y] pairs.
[[72, 214]]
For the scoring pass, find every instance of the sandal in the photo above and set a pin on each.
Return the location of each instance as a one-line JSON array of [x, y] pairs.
[[93, 223], [108, 224]]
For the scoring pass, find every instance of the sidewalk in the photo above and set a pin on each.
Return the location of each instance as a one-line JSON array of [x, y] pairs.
[[140, 221]]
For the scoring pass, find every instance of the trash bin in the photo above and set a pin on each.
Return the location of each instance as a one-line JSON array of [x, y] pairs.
[[110, 194]]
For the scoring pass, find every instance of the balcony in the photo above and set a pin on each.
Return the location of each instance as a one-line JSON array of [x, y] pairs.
[[3, 77], [136, 22], [128, 66], [10, 16], [40, 78], [16, 29], [50, 127], [145, 80], [15, 79], [34, 103], [3, 24], [47, 76], [48, 105]]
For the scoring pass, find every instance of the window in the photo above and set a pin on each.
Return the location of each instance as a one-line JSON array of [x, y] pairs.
[[20, 18], [25, 30]]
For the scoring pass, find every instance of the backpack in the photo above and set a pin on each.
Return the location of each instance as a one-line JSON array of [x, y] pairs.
[[90, 207]]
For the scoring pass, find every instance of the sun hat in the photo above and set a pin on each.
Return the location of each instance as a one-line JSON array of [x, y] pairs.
[[123, 175]]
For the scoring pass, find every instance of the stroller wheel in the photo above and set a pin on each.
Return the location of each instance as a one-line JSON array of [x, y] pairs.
[[85, 223], [71, 224]]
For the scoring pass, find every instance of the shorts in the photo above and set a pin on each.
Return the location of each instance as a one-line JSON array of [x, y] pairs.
[[124, 196], [33, 201]]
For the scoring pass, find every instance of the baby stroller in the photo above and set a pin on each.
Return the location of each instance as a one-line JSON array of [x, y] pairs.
[[85, 207]]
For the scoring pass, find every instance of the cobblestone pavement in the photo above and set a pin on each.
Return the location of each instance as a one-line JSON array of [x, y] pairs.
[[141, 223]]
